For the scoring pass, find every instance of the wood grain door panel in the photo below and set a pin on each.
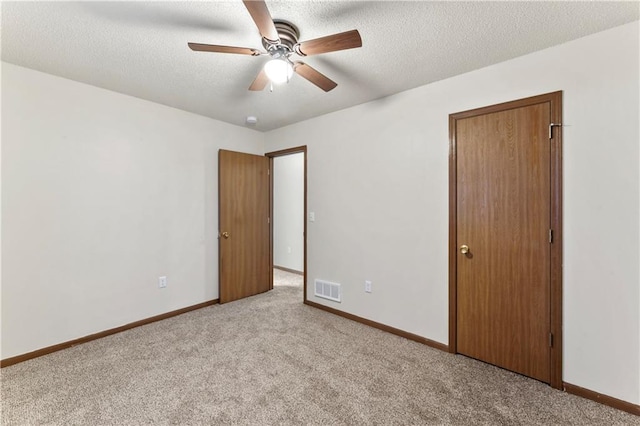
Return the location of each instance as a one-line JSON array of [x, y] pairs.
[[503, 215], [243, 190]]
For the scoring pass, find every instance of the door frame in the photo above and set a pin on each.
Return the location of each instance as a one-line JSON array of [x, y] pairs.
[[555, 102], [271, 155]]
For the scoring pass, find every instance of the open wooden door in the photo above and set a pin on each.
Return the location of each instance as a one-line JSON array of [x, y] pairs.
[[243, 202]]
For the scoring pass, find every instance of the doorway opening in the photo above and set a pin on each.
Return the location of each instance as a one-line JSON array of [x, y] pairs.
[[288, 205]]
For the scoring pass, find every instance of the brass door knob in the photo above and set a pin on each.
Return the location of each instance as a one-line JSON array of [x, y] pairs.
[[464, 249], [225, 234]]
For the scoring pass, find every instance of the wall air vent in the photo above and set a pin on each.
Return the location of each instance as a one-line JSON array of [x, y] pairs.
[[328, 290]]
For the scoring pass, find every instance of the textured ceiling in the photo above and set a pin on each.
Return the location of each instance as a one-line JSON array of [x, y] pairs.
[[140, 48]]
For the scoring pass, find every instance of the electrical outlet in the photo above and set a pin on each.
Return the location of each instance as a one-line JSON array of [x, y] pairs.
[[162, 282], [288, 250], [367, 286]]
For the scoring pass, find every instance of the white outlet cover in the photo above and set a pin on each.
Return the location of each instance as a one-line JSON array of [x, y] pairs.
[[312, 217], [367, 286], [162, 282]]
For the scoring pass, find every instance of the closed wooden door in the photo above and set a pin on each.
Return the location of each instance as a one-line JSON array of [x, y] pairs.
[[244, 240], [503, 237]]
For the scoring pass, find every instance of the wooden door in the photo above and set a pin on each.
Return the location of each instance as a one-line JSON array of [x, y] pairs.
[[503, 200], [243, 191]]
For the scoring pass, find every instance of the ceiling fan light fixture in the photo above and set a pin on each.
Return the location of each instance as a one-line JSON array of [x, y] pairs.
[[280, 41], [279, 70]]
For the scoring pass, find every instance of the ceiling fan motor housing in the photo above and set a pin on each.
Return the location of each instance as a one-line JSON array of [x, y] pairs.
[[288, 34]]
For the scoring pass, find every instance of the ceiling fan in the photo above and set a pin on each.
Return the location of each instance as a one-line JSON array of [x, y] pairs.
[[280, 40]]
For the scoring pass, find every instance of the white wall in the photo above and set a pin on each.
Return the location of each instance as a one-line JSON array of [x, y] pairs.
[[101, 194], [288, 211], [378, 184]]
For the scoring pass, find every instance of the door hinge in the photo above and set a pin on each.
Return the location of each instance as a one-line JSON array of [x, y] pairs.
[[268, 220], [550, 236], [551, 126], [550, 340], [268, 172]]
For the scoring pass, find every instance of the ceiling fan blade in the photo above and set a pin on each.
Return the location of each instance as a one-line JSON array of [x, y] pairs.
[[332, 43], [198, 47], [260, 82], [261, 16], [314, 76]]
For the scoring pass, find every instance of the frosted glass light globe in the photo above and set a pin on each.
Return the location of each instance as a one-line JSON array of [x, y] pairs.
[[278, 70]]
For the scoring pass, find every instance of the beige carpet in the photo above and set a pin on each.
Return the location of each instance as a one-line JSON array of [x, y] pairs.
[[270, 360], [285, 278]]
